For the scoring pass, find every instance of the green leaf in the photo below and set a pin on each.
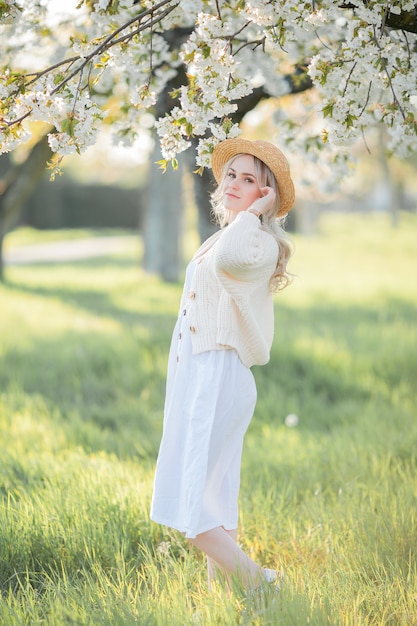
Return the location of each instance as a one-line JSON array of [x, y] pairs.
[[206, 50], [163, 164], [350, 119], [327, 110]]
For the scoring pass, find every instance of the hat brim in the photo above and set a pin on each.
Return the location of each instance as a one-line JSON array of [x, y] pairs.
[[266, 152]]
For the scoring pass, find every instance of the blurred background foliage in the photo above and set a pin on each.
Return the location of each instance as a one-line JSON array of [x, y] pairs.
[[108, 186]]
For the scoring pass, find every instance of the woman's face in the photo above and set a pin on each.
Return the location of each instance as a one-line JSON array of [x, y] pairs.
[[241, 188]]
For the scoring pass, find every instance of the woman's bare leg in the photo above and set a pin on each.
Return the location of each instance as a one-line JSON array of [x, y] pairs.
[[212, 567], [228, 556]]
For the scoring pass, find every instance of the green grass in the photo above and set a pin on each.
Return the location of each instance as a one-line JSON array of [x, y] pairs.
[[331, 501]]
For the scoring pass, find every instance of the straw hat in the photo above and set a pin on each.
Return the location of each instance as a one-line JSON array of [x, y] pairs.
[[265, 152]]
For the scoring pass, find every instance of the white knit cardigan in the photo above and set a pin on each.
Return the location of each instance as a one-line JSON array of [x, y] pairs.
[[230, 302]]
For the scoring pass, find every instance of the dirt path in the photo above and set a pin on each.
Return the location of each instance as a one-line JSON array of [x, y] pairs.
[[67, 250]]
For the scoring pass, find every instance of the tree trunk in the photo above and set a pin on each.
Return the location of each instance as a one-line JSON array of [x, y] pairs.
[[163, 221], [1, 250], [203, 186], [17, 186], [389, 200]]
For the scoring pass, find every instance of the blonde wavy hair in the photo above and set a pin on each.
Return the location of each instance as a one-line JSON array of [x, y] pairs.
[[281, 278]]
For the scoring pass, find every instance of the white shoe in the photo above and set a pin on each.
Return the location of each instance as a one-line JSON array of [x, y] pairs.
[[274, 577], [266, 593]]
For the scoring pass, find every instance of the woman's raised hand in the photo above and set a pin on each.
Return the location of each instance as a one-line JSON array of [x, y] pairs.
[[264, 204]]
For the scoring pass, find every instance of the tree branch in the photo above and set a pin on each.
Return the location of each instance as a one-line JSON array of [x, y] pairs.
[[406, 20], [109, 41]]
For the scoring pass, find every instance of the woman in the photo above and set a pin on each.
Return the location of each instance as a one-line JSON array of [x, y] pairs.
[[225, 326]]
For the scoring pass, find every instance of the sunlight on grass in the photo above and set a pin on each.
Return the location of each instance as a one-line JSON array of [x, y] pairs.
[[329, 498], [356, 258]]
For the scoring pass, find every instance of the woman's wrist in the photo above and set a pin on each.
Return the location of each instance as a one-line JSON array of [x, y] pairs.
[[257, 213]]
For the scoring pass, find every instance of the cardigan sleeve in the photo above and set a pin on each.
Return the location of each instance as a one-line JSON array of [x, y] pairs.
[[245, 251]]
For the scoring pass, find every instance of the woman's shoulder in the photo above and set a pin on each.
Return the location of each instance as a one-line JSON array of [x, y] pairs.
[[207, 244]]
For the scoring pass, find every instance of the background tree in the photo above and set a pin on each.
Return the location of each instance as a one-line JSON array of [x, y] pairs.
[[360, 56], [116, 60], [16, 184]]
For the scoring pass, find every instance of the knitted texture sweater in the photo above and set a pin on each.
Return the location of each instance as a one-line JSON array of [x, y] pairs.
[[230, 303]]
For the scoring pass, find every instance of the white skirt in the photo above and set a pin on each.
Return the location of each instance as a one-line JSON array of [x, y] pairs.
[[210, 399]]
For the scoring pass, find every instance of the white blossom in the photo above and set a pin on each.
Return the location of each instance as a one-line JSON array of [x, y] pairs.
[[363, 73], [413, 100]]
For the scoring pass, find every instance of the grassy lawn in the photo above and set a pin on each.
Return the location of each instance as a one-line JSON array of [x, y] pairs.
[[331, 500]]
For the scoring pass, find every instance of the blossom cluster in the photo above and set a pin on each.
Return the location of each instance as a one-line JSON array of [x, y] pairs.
[[9, 11], [119, 60]]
